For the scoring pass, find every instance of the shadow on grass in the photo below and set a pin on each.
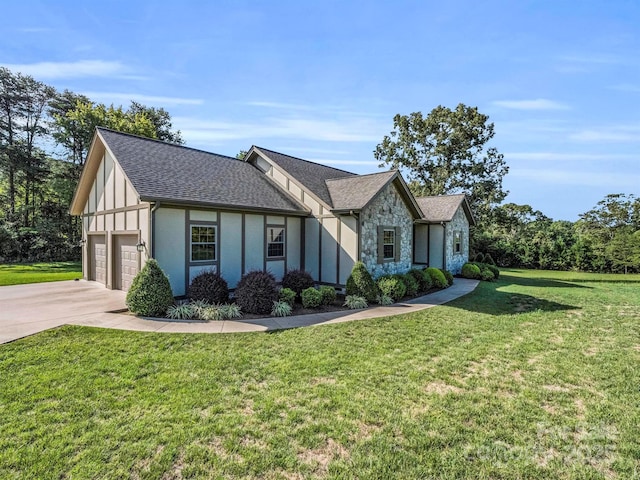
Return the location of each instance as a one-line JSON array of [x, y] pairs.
[[539, 282], [490, 300]]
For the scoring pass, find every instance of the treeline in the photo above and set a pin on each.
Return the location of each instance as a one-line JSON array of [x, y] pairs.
[[44, 139], [604, 239]]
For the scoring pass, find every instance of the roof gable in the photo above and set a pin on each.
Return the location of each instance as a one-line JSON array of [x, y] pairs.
[[161, 171], [442, 208], [311, 176]]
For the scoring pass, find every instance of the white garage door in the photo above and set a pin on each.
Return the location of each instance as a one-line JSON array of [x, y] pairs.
[[98, 260], [126, 264]]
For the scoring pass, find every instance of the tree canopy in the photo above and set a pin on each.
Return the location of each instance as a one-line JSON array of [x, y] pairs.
[[45, 136], [447, 152]]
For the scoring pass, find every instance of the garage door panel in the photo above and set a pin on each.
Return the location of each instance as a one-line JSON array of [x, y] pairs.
[[126, 261], [98, 252]]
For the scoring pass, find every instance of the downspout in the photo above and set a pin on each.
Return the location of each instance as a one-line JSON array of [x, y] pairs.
[[444, 246], [152, 228]]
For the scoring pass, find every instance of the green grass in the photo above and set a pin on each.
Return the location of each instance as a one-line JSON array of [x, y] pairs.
[[20, 273], [534, 376]]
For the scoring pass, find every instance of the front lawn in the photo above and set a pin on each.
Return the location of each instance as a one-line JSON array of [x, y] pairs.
[[20, 273], [534, 376]]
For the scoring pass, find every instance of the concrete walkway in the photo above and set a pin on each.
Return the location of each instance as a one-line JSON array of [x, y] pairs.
[[29, 309]]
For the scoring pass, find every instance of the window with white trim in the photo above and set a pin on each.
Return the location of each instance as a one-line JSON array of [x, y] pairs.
[[457, 242], [389, 243], [275, 242], [203, 243]]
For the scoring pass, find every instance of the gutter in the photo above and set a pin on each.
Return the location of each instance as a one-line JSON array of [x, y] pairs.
[[152, 228]]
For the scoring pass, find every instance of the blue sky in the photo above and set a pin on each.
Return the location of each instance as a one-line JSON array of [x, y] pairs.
[[323, 80]]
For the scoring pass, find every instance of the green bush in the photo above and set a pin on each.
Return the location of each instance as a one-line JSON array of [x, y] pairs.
[[419, 277], [361, 283], [392, 286], [448, 276], [412, 285], [487, 275], [479, 258], [427, 283], [495, 270], [150, 292], [256, 292], [354, 301], [438, 280], [281, 309], [297, 280], [488, 259], [180, 312], [328, 294], [287, 295], [384, 300], [471, 270], [311, 298], [209, 286]]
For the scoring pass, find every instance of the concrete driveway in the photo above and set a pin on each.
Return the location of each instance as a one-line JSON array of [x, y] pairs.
[[33, 308]]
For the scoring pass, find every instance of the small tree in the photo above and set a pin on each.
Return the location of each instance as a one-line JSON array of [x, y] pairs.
[[150, 293]]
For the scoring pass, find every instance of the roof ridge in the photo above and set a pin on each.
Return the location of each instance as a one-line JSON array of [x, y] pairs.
[[444, 195], [304, 160], [162, 142], [357, 175]]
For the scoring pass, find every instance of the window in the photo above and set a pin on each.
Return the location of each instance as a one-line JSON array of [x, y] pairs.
[[389, 244], [203, 243], [275, 242], [457, 242]]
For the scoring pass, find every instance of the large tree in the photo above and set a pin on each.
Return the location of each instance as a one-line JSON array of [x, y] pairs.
[[447, 152]]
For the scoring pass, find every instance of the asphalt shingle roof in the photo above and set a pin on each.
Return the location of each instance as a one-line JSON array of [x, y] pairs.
[[441, 208], [164, 171], [354, 193], [311, 175]]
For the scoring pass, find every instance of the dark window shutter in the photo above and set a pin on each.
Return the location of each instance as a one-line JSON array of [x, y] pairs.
[[380, 244], [398, 244]]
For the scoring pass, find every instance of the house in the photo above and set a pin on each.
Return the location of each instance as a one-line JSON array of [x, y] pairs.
[[193, 210]]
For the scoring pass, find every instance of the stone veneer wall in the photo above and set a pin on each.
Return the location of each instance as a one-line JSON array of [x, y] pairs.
[[455, 261], [387, 209]]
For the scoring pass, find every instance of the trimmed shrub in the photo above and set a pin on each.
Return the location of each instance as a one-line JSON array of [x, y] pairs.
[[287, 295], [427, 283], [230, 310], [150, 292], [384, 300], [488, 259], [328, 294], [437, 278], [361, 283], [311, 298], [486, 275], [448, 276], [256, 292], [281, 309], [209, 286], [354, 301], [471, 270], [297, 280], [392, 286], [419, 277], [495, 270], [184, 311], [412, 285], [479, 258]]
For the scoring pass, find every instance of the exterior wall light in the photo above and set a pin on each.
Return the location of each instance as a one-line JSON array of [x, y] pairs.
[[140, 246]]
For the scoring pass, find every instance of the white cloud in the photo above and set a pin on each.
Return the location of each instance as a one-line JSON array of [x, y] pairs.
[[536, 104], [626, 87], [81, 68], [557, 156], [579, 178], [112, 97], [617, 133], [356, 129]]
